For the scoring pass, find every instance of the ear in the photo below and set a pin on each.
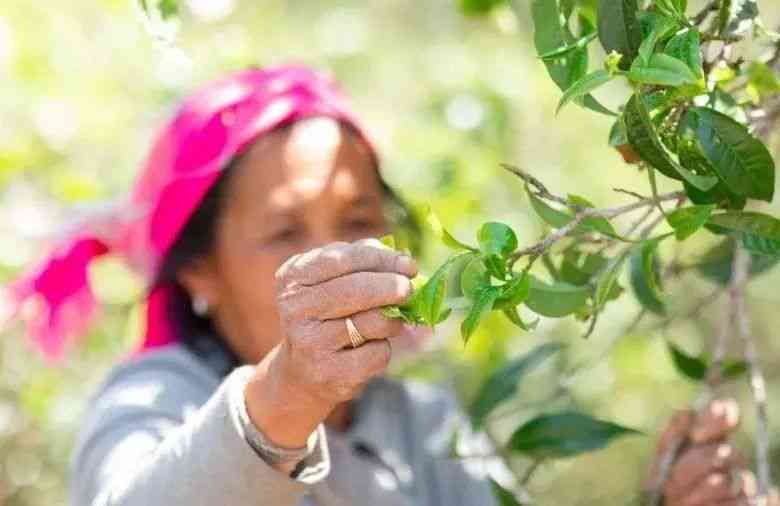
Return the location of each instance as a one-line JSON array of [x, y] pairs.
[[200, 278]]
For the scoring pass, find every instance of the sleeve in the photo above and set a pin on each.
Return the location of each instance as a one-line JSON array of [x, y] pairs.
[[141, 448]]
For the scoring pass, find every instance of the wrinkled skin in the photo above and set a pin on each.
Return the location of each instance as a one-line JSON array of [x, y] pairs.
[[708, 470]]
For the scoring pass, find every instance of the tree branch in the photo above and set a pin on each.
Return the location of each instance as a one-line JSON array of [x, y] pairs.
[[541, 190], [569, 228], [741, 269]]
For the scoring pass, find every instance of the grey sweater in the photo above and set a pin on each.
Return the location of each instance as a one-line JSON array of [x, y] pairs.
[[164, 430]]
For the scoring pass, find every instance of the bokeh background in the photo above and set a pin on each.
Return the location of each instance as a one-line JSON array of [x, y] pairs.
[[85, 83]]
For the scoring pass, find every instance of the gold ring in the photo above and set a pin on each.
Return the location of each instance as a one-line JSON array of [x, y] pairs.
[[354, 335]]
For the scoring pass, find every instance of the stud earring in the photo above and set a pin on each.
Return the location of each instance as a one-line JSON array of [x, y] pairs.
[[200, 305]]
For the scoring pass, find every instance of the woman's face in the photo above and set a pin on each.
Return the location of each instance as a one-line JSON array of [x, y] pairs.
[[294, 190]]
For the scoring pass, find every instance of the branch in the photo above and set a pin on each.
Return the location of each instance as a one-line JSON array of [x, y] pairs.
[[541, 190], [699, 18], [539, 248], [757, 384]]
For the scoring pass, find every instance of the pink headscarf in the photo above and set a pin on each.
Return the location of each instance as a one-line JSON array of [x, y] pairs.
[[210, 128]]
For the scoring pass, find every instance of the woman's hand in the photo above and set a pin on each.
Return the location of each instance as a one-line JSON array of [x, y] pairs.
[[315, 367], [708, 470]]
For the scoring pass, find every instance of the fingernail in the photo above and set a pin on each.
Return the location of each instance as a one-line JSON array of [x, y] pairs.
[[731, 410], [749, 486], [723, 452]]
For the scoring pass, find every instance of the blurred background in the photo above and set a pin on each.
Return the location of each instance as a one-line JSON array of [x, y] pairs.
[[85, 83]]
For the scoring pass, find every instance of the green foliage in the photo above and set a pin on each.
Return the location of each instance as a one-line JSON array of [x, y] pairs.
[[740, 160], [716, 263], [167, 8], [584, 86], [477, 7], [645, 277], [503, 383], [565, 435], [619, 29], [687, 220], [697, 368], [760, 233]]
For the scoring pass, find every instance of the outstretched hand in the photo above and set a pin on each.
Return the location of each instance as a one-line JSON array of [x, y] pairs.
[[708, 469]]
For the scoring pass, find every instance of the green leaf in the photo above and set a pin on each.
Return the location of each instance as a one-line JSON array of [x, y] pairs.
[[760, 233], [550, 35], [619, 29], [496, 239], [737, 17], [717, 262], [503, 383], [565, 435], [168, 8], [556, 300], [514, 317], [579, 268], [478, 7], [743, 162], [607, 280], [565, 50], [558, 219], [548, 214], [474, 277], [696, 368], [617, 134], [686, 46], [515, 291], [483, 304], [594, 223], [644, 139], [662, 26], [687, 220], [584, 86], [430, 297], [644, 267], [503, 496], [442, 234], [691, 367], [662, 70], [496, 242]]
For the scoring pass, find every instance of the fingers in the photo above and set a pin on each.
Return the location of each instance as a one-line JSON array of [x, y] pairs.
[[700, 462], [722, 489], [349, 370], [372, 358], [339, 259], [716, 422], [674, 435], [357, 292], [372, 325], [676, 431]]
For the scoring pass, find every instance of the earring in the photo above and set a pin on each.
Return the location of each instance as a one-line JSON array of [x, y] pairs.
[[200, 305]]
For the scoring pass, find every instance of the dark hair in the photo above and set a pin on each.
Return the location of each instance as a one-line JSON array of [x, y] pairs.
[[198, 238]]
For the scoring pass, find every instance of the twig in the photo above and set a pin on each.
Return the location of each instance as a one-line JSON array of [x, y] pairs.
[[629, 192], [699, 18], [757, 384], [541, 190], [550, 240]]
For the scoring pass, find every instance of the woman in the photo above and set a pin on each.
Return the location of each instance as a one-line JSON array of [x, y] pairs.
[[259, 378]]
